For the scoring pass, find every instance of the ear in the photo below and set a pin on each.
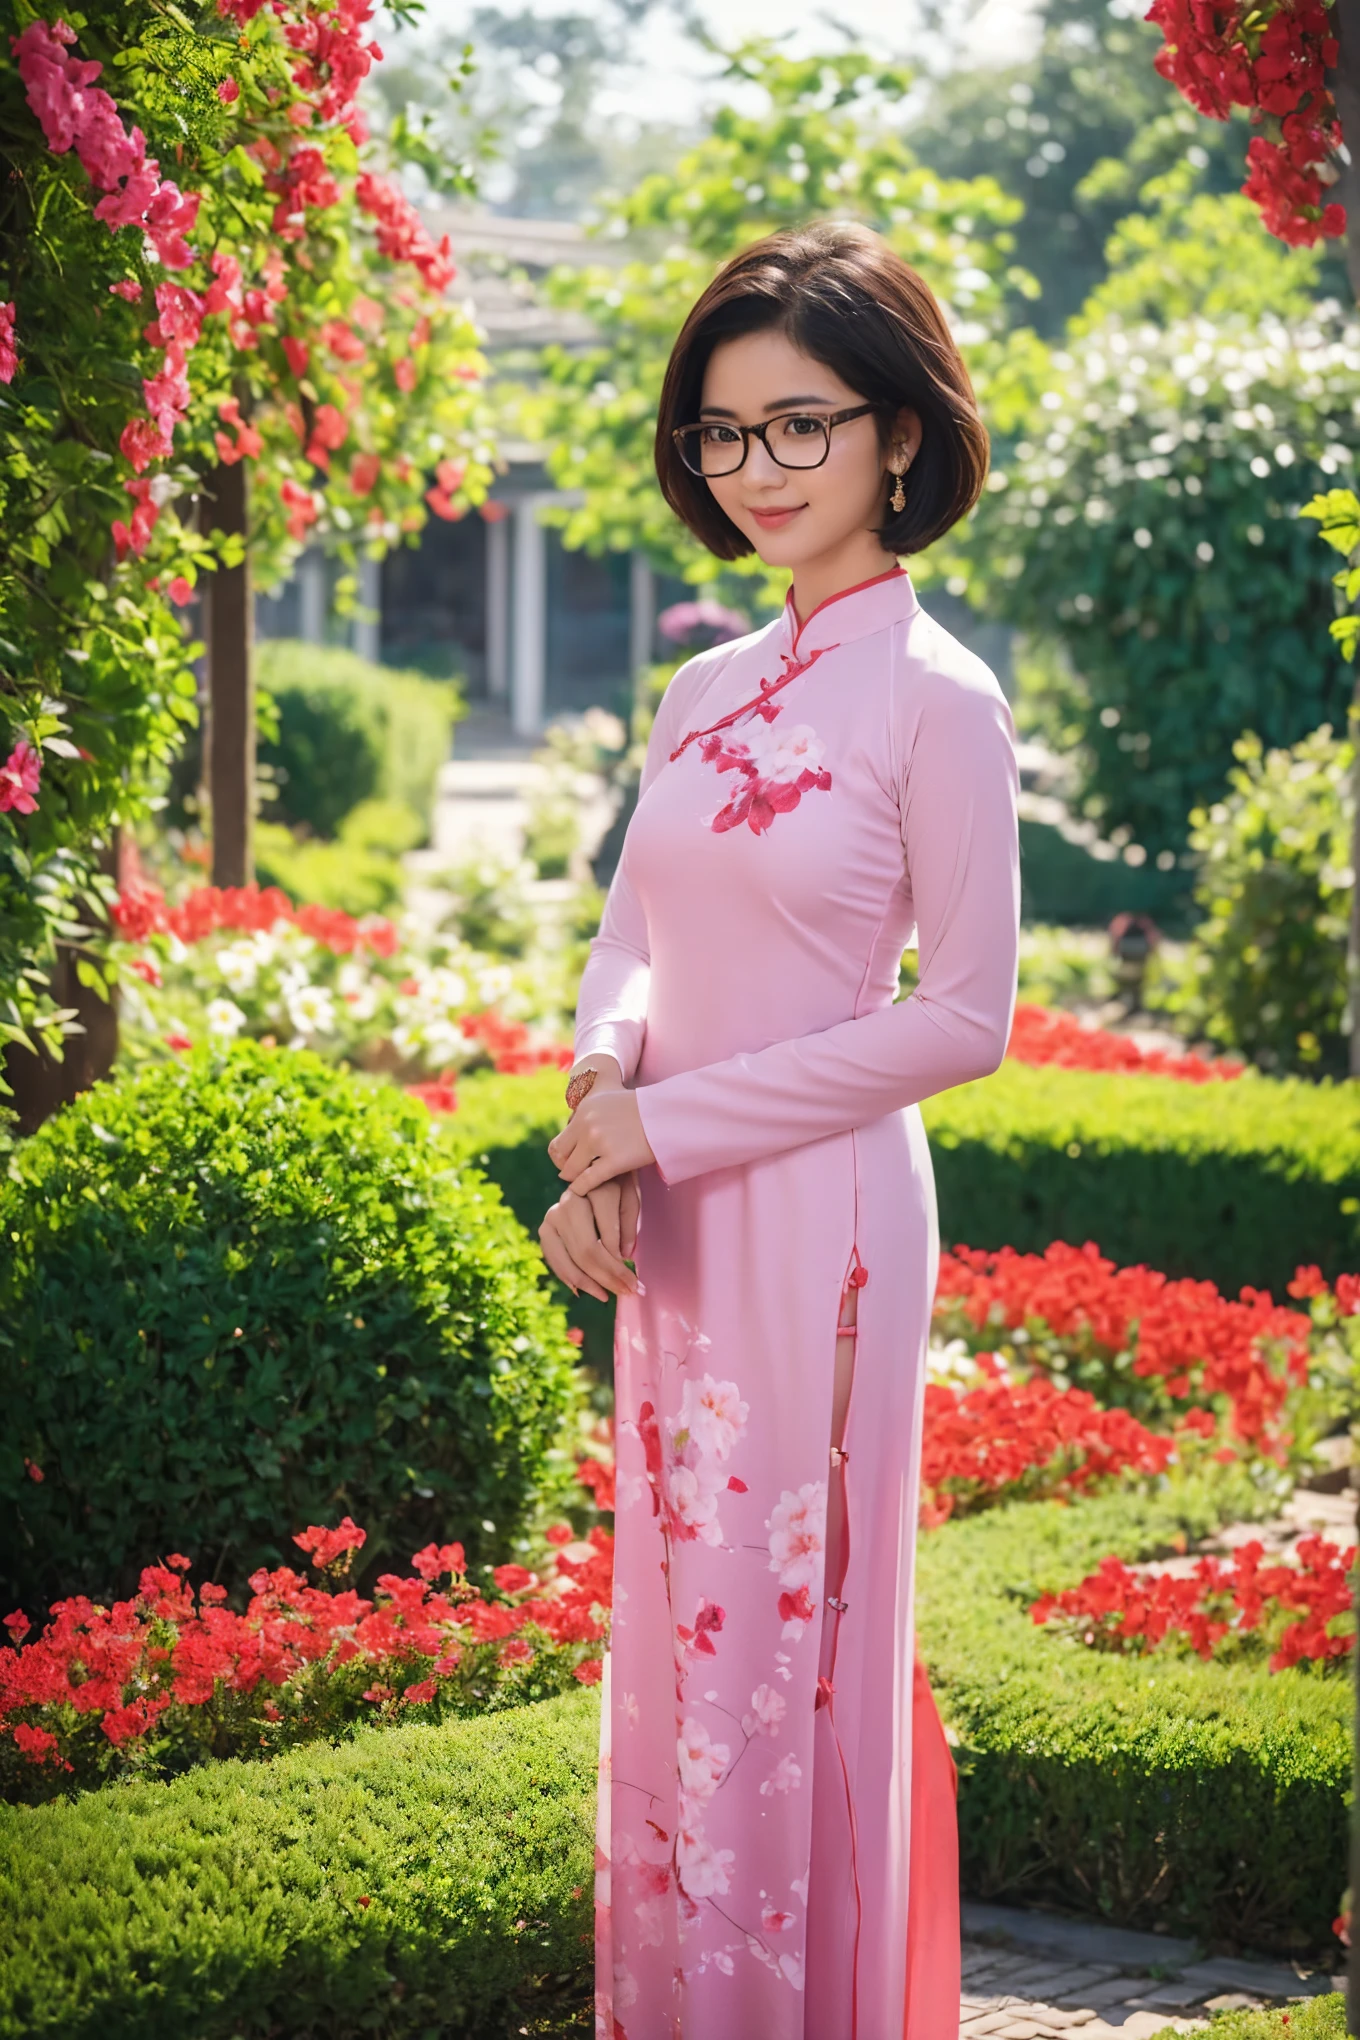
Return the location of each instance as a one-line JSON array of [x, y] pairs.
[[905, 442]]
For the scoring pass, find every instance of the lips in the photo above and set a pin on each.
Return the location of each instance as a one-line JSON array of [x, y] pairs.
[[773, 520]]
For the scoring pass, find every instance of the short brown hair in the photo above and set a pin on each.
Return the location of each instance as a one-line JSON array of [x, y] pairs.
[[845, 298]]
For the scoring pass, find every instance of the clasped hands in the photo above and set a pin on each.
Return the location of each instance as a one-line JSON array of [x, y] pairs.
[[589, 1235]]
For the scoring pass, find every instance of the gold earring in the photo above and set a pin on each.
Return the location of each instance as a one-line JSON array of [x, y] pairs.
[[898, 499]]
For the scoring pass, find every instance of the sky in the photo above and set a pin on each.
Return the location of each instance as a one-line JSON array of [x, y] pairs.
[[668, 82]]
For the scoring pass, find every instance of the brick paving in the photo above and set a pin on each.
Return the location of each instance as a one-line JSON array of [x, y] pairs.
[[1033, 1976]]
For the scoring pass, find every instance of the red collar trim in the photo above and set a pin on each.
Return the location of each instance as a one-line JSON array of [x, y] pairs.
[[892, 574]]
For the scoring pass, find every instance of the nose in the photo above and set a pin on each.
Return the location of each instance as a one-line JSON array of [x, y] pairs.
[[762, 467]]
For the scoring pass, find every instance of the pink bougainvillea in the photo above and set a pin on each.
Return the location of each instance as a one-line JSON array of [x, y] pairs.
[[19, 776], [9, 353]]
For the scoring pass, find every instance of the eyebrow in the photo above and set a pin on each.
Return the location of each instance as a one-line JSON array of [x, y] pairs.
[[782, 404]]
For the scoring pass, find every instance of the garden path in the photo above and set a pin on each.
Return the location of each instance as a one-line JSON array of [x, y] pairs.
[[1034, 1976]]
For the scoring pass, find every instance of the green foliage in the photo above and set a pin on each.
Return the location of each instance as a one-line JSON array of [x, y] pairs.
[[1238, 1182], [1150, 521], [1338, 516], [413, 1881], [1266, 973], [360, 873], [1318, 2018], [1072, 132], [1063, 881], [1206, 1799], [822, 140], [250, 1292], [349, 731], [94, 666]]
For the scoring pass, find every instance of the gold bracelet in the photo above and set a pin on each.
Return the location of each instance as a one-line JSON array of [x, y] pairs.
[[578, 1085]]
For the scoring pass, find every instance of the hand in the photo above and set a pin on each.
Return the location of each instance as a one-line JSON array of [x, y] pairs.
[[616, 1207], [577, 1251], [603, 1138]]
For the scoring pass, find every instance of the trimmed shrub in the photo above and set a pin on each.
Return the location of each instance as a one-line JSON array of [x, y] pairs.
[[1238, 1183], [414, 1881], [349, 731], [1208, 1799], [246, 1292], [1266, 972], [1319, 2018]]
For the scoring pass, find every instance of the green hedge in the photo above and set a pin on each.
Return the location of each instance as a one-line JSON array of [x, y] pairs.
[[228, 1903], [244, 1292], [1157, 1791], [1236, 1183], [1320, 2018]]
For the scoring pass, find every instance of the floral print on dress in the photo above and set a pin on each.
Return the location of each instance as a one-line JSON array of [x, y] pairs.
[[778, 764]]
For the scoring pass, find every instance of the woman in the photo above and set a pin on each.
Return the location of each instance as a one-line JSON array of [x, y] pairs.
[[777, 1852]]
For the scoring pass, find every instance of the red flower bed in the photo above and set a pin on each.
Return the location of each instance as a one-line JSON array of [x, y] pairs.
[[1183, 1335], [1029, 1437], [1046, 1034], [170, 1675], [1305, 1609], [142, 909], [507, 1043]]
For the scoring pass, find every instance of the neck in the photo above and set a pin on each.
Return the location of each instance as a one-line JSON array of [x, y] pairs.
[[860, 558]]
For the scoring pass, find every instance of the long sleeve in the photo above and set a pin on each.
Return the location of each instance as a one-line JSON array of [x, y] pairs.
[[958, 788], [611, 1002]]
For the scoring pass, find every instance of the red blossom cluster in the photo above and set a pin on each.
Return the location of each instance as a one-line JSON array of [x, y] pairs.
[[401, 234], [1118, 1607], [1185, 1334], [179, 1665], [141, 909], [1001, 1434], [507, 1043], [1046, 1034], [1272, 57]]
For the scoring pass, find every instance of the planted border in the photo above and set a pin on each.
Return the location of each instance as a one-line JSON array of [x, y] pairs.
[[1235, 1183], [413, 1881], [1207, 1799]]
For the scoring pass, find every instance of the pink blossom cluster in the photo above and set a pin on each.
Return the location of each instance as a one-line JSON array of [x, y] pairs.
[[1274, 59], [9, 353], [19, 776], [75, 113]]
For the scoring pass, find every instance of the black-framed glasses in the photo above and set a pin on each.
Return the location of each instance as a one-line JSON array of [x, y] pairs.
[[793, 439]]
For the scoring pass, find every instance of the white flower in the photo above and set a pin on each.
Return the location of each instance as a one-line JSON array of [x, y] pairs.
[[768, 1709], [224, 1019], [311, 1009], [692, 1492], [701, 1869], [629, 1490], [799, 1886], [713, 1414], [786, 1776], [798, 1534], [625, 1988], [359, 989], [702, 1762], [792, 1967], [239, 964], [779, 753], [493, 982], [723, 1961]]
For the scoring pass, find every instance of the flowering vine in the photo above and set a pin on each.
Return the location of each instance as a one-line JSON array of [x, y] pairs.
[[1272, 58]]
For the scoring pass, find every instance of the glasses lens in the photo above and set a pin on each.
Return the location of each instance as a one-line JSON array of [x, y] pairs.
[[711, 449], [798, 441]]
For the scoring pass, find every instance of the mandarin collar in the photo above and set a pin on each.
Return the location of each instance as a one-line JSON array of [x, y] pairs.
[[853, 613]]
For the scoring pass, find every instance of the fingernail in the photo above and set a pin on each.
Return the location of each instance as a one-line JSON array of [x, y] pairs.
[[641, 1288]]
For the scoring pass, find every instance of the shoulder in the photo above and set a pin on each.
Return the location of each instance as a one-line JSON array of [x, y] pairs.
[[944, 695], [689, 683]]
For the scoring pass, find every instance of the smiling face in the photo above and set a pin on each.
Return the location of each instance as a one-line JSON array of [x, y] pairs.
[[802, 518]]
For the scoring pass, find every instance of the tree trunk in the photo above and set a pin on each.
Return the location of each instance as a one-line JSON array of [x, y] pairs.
[[39, 1082], [229, 736]]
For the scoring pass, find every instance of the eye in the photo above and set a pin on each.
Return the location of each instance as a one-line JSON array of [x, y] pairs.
[[800, 426], [719, 435]]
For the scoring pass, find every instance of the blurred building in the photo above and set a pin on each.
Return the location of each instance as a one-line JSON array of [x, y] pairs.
[[496, 598]]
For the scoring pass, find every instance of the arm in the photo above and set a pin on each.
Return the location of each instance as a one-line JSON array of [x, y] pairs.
[[959, 835], [611, 1004]]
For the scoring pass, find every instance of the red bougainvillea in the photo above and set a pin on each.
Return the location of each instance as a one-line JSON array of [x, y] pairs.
[[143, 910], [1273, 58]]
